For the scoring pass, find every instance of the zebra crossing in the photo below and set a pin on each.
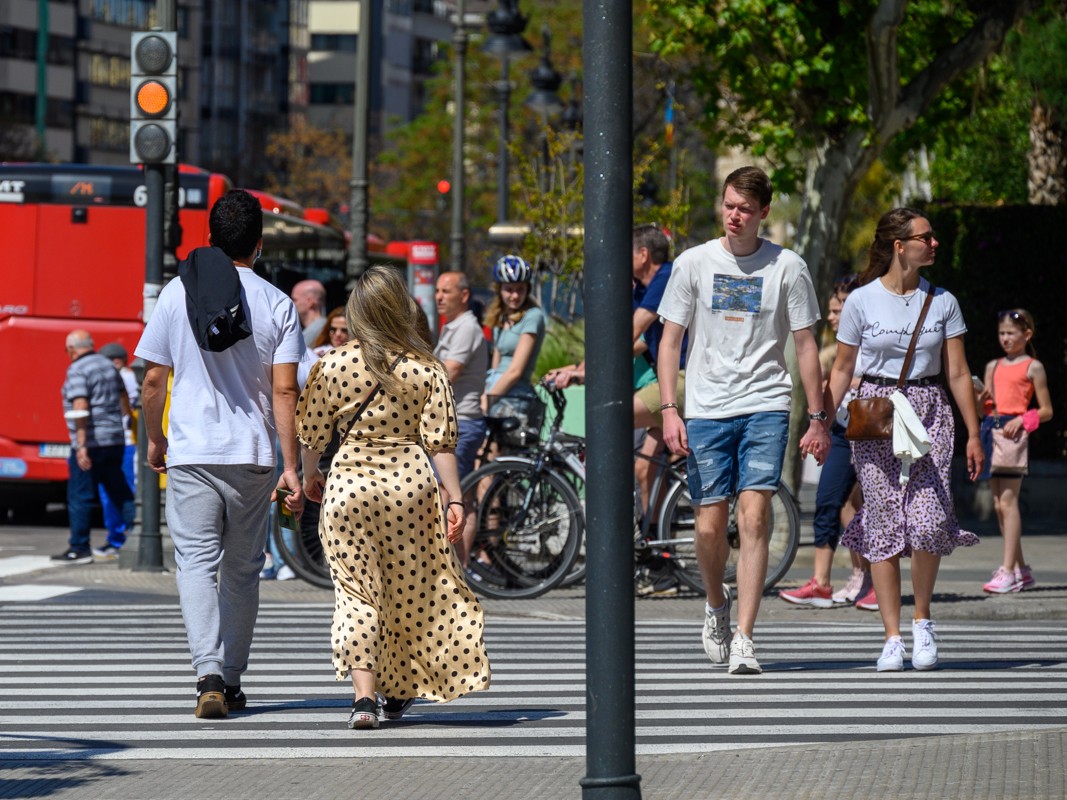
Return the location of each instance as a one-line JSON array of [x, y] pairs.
[[113, 682]]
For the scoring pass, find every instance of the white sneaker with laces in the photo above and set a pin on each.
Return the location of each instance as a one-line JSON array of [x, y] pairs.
[[743, 656], [893, 653], [717, 631], [923, 644]]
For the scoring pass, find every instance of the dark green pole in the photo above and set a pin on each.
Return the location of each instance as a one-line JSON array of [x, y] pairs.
[[41, 106], [611, 770], [358, 204], [150, 548]]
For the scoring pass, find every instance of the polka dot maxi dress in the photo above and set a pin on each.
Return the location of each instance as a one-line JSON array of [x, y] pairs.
[[401, 608]]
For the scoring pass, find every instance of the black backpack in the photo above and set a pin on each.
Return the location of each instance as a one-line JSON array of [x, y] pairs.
[[213, 299]]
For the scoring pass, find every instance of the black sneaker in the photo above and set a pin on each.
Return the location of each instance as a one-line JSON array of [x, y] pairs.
[[395, 709], [650, 583], [364, 714], [211, 697], [73, 556], [235, 699]]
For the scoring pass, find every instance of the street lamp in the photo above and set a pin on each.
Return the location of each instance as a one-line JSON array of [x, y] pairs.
[[459, 40], [543, 99], [506, 25]]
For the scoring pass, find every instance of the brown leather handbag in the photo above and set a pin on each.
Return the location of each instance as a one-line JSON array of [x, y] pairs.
[[872, 417]]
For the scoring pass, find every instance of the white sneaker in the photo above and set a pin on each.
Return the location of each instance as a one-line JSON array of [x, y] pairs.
[[285, 573], [851, 589], [893, 653], [923, 644], [743, 656], [717, 631]]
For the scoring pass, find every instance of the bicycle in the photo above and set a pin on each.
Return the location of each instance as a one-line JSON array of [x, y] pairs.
[[528, 516], [302, 549], [559, 457]]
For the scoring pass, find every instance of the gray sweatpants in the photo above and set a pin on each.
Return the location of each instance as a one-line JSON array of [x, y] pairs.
[[217, 518]]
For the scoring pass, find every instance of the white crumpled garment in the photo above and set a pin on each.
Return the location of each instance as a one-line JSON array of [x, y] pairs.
[[910, 439]]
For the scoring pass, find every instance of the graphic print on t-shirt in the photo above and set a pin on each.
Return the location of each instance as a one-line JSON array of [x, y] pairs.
[[733, 293]]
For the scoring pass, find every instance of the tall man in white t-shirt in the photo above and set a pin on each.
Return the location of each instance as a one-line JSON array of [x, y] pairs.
[[740, 297], [219, 452]]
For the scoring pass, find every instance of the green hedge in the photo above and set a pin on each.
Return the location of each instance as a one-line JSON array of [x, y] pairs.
[[995, 258]]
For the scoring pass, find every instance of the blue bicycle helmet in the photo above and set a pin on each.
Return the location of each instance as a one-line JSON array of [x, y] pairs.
[[512, 269]]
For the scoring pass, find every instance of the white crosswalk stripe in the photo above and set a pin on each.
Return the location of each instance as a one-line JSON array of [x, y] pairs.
[[13, 566], [114, 682]]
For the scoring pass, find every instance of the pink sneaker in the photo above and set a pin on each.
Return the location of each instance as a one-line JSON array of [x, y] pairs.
[[852, 589], [1003, 582], [810, 594], [869, 602], [1025, 576]]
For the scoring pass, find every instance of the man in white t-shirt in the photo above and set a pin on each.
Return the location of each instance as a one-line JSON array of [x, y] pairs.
[[219, 451], [740, 297]]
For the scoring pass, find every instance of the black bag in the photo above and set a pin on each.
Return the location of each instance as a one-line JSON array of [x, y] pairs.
[[213, 299]]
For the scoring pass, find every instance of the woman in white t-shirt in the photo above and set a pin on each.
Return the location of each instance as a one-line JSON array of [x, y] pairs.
[[916, 519]]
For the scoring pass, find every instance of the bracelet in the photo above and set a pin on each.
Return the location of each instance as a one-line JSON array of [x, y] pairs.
[[455, 502], [668, 405]]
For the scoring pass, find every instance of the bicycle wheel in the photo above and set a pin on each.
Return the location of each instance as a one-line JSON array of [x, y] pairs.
[[529, 526], [302, 550], [576, 574], [677, 527]]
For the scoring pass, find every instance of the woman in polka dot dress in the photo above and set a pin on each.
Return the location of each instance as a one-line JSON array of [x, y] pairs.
[[406, 625], [913, 518]]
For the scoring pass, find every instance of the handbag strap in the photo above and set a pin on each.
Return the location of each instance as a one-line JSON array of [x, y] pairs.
[[915, 338], [366, 402]]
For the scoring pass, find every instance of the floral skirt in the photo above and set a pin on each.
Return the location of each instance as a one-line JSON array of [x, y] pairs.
[[896, 520]]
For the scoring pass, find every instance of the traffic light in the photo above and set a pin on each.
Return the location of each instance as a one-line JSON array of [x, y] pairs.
[[154, 97]]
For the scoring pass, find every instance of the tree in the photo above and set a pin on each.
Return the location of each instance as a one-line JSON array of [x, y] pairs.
[[309, 165], [1041, 48], [797, 85]]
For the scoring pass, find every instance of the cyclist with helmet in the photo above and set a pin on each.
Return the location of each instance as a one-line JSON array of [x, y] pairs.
[[518, 326]]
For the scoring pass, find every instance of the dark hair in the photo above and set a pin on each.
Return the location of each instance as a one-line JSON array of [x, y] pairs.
[[751, 182], [893, 226], [844, 284], [324, 334], [236, 223], [1023, 319], [652, 238]]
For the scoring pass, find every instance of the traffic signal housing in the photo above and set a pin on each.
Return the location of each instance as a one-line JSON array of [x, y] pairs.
[[154, 97]]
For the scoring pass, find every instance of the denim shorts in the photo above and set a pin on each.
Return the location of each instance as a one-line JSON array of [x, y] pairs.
[[730, 455]]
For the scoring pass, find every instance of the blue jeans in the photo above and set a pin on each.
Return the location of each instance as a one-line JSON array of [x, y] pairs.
[[83, 486], [116, 525], [731, 455], [471, 436], [835, 483]]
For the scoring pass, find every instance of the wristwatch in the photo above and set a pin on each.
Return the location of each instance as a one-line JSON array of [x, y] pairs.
[[820, 416]]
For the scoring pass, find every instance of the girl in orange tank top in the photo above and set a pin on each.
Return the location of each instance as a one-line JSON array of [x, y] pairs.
[[1011, 383]]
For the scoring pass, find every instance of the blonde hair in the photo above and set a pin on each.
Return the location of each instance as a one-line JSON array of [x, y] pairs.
[[383, 318], [497, 313]]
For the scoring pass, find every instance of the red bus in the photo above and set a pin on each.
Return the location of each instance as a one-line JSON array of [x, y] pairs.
[[72, 246]]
